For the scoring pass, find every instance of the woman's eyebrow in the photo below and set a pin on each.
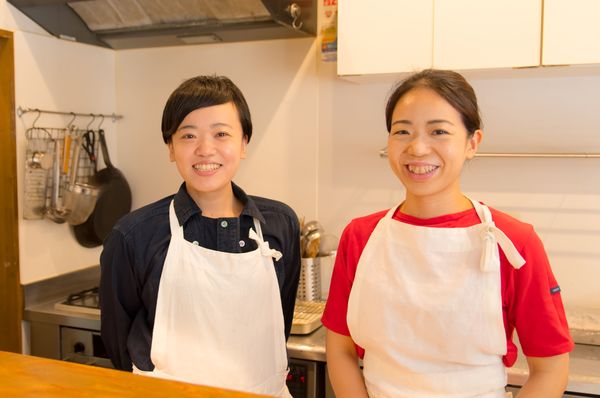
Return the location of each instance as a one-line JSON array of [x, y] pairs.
[[220, 124], [436, 121], [186, 126], [402, 121]]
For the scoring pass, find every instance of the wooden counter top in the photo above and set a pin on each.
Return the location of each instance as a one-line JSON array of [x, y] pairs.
[[28, 376]]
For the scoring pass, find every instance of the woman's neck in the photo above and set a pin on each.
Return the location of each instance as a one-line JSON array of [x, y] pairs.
[[428, 207], [221, 204]]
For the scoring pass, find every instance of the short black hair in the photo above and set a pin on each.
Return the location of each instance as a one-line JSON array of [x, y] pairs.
[[201, 92]]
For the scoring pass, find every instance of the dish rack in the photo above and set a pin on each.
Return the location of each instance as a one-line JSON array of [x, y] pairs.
[[307, 316]]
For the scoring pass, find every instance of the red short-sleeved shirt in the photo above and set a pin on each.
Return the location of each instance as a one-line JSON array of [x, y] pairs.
[[531, 301]]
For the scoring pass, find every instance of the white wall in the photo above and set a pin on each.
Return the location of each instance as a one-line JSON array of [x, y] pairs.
[[278, 79], [58, 75]]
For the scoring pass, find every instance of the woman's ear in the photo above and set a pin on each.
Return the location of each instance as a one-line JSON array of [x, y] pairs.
[[244, 144], [473, 143], [171, 152]]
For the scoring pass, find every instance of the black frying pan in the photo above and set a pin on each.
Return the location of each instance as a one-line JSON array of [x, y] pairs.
[[113, 202]]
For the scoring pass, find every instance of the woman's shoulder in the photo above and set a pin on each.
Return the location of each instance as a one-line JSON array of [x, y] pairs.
[[362, 227], [519, 232], [274, 208], [145, 216]]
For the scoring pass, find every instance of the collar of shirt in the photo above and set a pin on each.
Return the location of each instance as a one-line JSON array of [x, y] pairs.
[[186, 207]]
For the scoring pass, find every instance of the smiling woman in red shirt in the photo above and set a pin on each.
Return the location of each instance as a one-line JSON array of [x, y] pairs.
[[430, 292]]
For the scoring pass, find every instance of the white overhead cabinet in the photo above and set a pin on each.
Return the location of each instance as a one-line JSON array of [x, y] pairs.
[[384, 36], [571, 32], [395, 36], [486, 34]]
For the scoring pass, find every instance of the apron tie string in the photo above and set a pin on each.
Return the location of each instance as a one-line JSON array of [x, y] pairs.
[[493, 236], [265, 250]]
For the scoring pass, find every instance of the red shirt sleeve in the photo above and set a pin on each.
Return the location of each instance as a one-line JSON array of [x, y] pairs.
[[531, 299]]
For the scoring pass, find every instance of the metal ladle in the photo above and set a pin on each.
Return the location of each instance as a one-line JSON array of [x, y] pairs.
[[311, 245], [54, 212], [309, 227]]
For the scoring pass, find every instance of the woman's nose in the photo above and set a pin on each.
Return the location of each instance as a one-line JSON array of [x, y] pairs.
[[418, 145], [204, 146]]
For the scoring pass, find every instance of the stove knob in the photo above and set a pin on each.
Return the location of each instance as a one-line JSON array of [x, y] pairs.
[[79, 348]]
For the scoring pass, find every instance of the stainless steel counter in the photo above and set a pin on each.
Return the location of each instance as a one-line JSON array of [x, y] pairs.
[[310, 347], [584, 374]]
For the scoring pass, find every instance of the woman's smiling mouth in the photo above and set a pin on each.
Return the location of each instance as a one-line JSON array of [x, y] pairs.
[[421, 169], [207, 166]]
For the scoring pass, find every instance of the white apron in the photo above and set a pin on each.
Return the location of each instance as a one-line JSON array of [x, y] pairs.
[[218, 317], [426, 306]]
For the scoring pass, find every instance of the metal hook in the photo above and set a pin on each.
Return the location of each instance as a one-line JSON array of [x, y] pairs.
[[39, 113], [91, 121], [101, 121], [70, 124], [296, 13]]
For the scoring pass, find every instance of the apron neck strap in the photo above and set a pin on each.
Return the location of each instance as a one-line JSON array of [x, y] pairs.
[[485, 216], [176, 229], [493, 237], [263, 245], [390, 213]]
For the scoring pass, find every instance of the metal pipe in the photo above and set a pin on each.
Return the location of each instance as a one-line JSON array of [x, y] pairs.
[[21, 112], [536, 155], [383, 154]]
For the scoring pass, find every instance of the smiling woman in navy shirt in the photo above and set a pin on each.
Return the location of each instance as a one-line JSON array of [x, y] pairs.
[[201, 285]]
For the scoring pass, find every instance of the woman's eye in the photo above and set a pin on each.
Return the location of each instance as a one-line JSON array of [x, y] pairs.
[[222, 134], [400, 132], [439, 132], [187, 136]]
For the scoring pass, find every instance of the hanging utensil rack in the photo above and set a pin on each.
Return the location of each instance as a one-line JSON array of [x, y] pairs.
[[42, 143]]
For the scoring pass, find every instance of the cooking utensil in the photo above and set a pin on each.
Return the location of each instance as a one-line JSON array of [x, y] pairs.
[[41, 160], [311, 248], [113, 202], [79, 198], [89, 145], [37, 169], [328, 245], [54, 212], [66, 153], [309, 227]]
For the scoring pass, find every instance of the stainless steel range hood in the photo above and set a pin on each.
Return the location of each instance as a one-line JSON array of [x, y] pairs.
[[121, 24]]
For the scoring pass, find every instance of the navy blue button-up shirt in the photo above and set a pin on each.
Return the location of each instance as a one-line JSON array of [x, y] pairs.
[[135, 251]]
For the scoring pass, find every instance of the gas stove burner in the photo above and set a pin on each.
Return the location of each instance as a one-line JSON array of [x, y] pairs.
[[84, 298], [85, 301]]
